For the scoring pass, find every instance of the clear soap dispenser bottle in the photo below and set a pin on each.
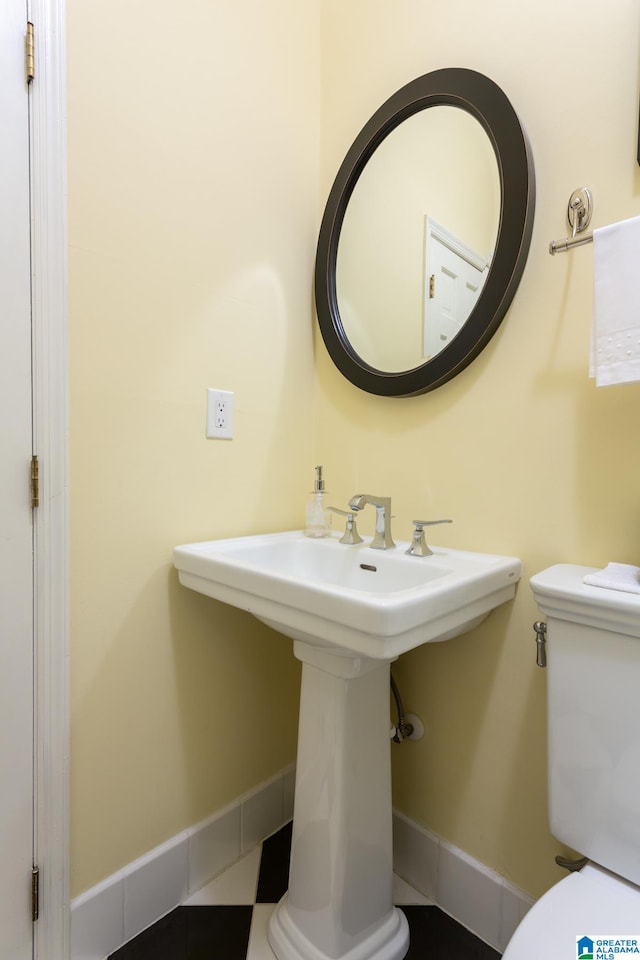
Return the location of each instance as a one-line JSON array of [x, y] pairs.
[[317, 523]]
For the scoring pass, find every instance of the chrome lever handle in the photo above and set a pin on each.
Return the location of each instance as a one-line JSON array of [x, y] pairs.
[[419, 546], [350, 534], [540, 628], [419, 524]]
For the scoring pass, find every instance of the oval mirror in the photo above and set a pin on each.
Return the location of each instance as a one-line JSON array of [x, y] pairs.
[[425, 234]]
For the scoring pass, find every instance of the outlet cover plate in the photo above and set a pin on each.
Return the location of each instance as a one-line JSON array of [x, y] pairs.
[[219, 414]]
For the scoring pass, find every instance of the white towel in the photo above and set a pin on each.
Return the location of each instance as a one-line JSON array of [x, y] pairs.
[[615, 334], [616, 576]]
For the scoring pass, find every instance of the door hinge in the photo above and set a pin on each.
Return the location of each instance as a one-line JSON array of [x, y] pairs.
[[432, 286], [29, 53], [35, 481], [35, 893]]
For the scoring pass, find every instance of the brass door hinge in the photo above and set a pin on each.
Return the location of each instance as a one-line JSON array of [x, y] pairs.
[[29, 53], [35, 481], [35, 893], [432, 286]]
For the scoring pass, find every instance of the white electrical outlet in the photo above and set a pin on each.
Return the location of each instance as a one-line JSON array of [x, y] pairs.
[[219, 414]]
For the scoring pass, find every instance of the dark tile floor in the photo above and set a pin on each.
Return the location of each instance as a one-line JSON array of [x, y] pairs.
[[238, 931]]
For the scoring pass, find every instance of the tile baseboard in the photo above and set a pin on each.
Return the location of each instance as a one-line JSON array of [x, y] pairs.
[[117, 909], [477, 897], [126, 903]]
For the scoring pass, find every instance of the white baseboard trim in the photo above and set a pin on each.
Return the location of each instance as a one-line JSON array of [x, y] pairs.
[[477, 897], [126, 903]]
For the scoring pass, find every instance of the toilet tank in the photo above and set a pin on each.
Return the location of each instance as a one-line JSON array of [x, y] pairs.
[[593, 716]]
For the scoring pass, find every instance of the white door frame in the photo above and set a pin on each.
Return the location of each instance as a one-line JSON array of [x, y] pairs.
[[49, 279]]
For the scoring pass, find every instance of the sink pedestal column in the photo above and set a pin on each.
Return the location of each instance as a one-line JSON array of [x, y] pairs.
[[339, 903]]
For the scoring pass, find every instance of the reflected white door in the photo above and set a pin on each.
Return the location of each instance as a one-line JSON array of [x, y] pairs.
[[16, 575], [455, 275]]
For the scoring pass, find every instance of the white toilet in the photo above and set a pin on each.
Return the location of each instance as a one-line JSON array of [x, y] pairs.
[[593, 684]]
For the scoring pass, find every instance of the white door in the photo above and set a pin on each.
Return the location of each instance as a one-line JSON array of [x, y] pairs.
[[455, 275], [16, 568]]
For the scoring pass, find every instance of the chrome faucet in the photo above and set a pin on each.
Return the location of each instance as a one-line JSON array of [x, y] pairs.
[[382, 539]]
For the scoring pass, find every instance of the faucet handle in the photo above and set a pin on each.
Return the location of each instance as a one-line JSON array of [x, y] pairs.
[[351, 534], [419, 524], [419, 546]]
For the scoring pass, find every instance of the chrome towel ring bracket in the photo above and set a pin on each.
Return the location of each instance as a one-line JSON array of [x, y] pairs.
[[579, 210]]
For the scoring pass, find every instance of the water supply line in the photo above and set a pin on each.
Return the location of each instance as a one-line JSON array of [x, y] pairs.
[[403, 728]]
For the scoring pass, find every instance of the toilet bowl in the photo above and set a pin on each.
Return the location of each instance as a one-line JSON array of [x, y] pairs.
[[593, 748], [593, 903]]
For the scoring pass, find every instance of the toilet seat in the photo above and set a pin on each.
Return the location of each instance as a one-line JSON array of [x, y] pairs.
[[590, 903]]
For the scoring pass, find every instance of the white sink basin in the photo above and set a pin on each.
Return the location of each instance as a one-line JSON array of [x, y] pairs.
[[376, 603]]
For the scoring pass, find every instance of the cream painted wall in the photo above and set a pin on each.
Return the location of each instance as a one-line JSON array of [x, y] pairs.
[[192, 215], [193, 172], [520, 449]]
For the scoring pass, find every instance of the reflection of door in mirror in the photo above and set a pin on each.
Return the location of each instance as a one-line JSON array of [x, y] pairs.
[[453, 278], [438, 160]]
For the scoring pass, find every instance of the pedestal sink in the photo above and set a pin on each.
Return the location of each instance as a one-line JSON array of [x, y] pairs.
[[351, 611]]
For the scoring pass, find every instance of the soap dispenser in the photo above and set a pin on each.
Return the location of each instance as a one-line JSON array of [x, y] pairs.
[[318, 518]]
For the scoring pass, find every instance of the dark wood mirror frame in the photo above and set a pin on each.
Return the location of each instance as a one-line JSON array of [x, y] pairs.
[[485, 101]]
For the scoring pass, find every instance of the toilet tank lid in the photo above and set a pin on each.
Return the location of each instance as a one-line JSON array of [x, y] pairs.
[[593, 903], [560, 591]]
